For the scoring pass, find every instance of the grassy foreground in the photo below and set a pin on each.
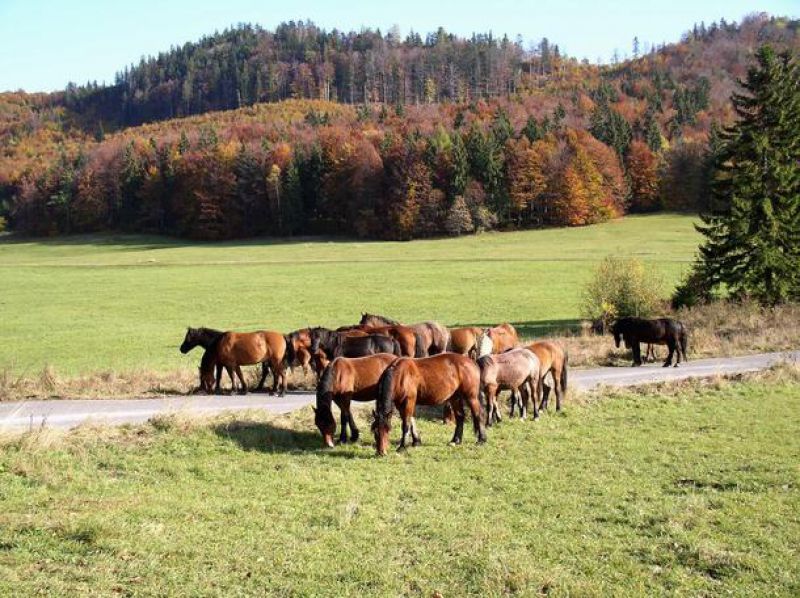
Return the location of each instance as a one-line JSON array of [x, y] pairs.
[[106, 303], [689, 491]]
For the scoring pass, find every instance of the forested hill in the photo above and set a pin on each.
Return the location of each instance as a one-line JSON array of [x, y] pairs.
[[373, 135]]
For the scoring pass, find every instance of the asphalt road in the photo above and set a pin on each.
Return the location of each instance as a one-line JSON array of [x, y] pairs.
[[67, 413]]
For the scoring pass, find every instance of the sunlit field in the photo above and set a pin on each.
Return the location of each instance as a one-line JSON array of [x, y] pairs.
[[89, 303], [693, 492]]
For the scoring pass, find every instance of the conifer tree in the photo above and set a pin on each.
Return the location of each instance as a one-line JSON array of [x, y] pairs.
[[752, 231]]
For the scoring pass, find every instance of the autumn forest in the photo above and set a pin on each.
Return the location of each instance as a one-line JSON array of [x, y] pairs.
[[303, 131]]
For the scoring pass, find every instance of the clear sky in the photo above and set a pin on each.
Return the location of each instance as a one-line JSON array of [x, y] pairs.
[[44, 44]]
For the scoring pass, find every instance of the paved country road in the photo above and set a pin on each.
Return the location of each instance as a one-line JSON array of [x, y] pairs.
[[66, 413]]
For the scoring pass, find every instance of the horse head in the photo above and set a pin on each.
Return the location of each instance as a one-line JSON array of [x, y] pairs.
[[189, 341]]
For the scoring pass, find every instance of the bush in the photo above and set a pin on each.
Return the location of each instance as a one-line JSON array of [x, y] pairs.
[[621, 287]]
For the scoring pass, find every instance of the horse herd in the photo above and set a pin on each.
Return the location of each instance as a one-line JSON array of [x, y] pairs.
[[401, 366]]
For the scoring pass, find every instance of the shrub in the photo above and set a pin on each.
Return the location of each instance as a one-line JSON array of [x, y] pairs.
[[621, 287]]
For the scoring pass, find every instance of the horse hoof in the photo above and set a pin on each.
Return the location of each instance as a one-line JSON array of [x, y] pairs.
[[354, 438], [416, 443]]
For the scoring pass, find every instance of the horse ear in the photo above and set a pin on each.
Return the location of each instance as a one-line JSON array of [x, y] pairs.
[[314, 409]]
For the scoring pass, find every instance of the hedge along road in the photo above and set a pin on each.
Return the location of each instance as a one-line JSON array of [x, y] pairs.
[[72, 412]]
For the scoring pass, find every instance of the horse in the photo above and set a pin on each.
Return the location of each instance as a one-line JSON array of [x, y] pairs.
[[517, 370], [199, 337], [338, 344], [432, 336], [554, 361], [344, 380], [236, 349], [301, 345], [465, 340], [661, 331], [447, 377], [497, 339]]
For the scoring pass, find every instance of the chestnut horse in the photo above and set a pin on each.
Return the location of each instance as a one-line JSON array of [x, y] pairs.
[[497, 339], [236, 349], [301, 345], [433, 338], [347, 379], [662, 331], [465, 340], [554, 360], [427, 381], [517, 370]]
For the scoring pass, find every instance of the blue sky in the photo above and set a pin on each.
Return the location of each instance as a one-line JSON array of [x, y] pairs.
[[44, 44]]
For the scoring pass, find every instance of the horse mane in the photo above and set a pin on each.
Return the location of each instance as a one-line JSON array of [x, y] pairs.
[[387, 321], [484, 361], [325, 383]]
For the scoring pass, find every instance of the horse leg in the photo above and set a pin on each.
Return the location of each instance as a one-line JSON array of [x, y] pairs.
[[545, 395], [477, 422], [490, 391], [416, 440], [354, 433], [637, 353], [458, 409], [405, 417], [671, 347], [514, 400], [241, 379], [264, 371], [347, 417], [559, 389], [218, 384], [536, 393], [229, 369]]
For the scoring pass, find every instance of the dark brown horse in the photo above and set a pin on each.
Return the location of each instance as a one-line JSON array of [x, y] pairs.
[[662, 331], [554, 361], [200, 337], [427, 381], [497, 339], [208, 366], [341, 344], [433, 338], [517, 370], [236, 349], [344, 380], [465, 340]]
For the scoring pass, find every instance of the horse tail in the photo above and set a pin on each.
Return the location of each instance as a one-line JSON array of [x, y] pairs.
[[383, 402], [420, 350], [684, 338], [564, 367], [289, 354]]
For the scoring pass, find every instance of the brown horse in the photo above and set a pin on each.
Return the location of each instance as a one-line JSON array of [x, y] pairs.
[[554, 361], [432, 336], [208, 365], [497, 339], [301, 345], [411, 344], [427, 381], [347, 379], [236, 349], [465, 340], [517, 370]]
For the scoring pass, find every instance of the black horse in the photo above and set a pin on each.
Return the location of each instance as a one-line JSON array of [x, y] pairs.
[[662, 331], [200, 337]]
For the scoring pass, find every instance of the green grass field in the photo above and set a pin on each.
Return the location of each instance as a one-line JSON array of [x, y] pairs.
[[99, 303], [688, 493]]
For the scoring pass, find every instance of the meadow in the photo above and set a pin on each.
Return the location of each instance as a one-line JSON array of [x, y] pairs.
[[685, 490], [117, 303]]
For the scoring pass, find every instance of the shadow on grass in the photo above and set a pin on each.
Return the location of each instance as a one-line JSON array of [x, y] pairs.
[[267, 437]]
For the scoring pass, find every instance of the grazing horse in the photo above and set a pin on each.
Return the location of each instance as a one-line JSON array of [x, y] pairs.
[[432, 336], [465, 340], [427, 381], [662, 331], [554, 361], [236, 349], [517, 370], [344, 380], [208, 365], [497, 339]]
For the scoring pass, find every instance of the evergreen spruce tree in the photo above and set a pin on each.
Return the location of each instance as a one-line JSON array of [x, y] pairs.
[[752, 230]]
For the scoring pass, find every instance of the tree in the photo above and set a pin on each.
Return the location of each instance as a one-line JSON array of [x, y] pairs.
[[752, 232], [459, 220], [642, 168]]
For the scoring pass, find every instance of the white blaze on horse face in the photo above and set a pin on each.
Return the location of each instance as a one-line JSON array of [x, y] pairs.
[[485, 345]]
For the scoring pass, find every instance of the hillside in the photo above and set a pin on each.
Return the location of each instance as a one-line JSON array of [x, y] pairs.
[[373, 136]]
